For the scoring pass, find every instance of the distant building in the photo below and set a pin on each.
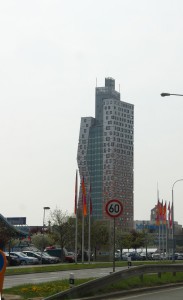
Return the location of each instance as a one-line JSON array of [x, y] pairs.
[[105, 153], [17, 220], [145, 225]]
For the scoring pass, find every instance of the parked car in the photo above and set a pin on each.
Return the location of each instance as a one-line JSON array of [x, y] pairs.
[[146, 257], [12, 260], [53, 259], [117, 256], [70, 257], [42, 258], [79, 256], [156, 256], [134, 256], [24, 259], [57, 252]]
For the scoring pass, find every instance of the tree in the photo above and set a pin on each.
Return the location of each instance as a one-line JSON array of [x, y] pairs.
[[133, 240], [99, 235], [127, 241], [41, 242], [60, 227]]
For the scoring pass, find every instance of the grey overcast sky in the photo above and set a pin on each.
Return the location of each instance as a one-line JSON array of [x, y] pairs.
[[51, 53]]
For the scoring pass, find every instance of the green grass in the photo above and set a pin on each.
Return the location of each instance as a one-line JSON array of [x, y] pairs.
[[56, 267], [51, 288], [42, 289], [79, 266], [149, 280]]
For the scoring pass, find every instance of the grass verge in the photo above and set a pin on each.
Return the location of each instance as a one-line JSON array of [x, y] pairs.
[[51, 288], [79, 266]]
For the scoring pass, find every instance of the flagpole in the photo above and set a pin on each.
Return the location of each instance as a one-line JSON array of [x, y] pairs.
[[165, 222], [76, 213], [89, 229], [82, 239], [89, 237], [159, 217], [76, 239], [84, 213], [159, 236], [163, 246], [166, 241]]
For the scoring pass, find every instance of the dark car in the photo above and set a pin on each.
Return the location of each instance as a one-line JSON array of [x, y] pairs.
[[44, 259], [135, 256], [24, 259], [12, 260], [57, 252], [53, 259], [70, 257], [79, 256]]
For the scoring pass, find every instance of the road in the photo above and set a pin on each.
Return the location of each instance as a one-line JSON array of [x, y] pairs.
[[14, 280], [175, 293]]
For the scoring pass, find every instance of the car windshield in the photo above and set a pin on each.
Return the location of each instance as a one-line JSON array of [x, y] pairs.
[[21, 254], [46, 254]]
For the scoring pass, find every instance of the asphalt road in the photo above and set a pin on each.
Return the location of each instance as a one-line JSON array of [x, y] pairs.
[[175, 293], [14, 280]]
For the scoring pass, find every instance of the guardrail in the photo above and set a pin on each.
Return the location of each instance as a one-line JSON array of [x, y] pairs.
[[93, 286]]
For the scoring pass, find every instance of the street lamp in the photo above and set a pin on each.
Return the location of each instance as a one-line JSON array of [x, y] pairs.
[[44, 209], [173, 227], [168, 94]]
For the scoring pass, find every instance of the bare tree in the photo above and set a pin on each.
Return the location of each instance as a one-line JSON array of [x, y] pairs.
[[59, 227]]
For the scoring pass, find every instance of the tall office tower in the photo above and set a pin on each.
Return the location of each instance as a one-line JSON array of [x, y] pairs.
[[105, 154]]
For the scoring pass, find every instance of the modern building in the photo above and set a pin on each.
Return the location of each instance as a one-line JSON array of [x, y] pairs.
[[105, 153]]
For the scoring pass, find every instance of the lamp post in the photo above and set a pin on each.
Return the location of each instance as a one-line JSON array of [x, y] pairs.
[[44, 210], [168, 94], [173, 227]]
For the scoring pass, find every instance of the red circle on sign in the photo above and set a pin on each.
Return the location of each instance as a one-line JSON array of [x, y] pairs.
[[114, 208]]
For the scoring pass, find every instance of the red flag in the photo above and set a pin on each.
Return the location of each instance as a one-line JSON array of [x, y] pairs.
[[169, 210], [158, 213], [170, 217], [164, 213], [76, 193], [84, 197], [161, 210], [90, 202]]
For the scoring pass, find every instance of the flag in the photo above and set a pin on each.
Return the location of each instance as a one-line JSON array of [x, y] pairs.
[[170, 216], [169, 210], [84, 197], [158, 213], [90, 201], [76, 193], [161, 210], [164, 213]]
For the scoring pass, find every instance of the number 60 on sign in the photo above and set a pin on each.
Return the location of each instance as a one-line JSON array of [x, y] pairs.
[[114, 208]]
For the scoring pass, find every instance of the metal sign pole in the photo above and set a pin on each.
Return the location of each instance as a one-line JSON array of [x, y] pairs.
[[114, 209], [114, 240], [2, 271]]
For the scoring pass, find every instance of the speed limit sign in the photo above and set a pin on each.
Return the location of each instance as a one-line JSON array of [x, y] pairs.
[[114, 208]]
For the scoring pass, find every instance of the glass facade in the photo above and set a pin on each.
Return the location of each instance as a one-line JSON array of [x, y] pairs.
[[105, 153]]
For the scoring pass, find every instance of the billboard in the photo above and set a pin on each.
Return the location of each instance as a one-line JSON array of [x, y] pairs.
[[17, 220]]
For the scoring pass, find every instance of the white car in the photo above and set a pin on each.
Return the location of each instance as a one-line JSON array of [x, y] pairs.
[[24, 259], [156, 256]]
